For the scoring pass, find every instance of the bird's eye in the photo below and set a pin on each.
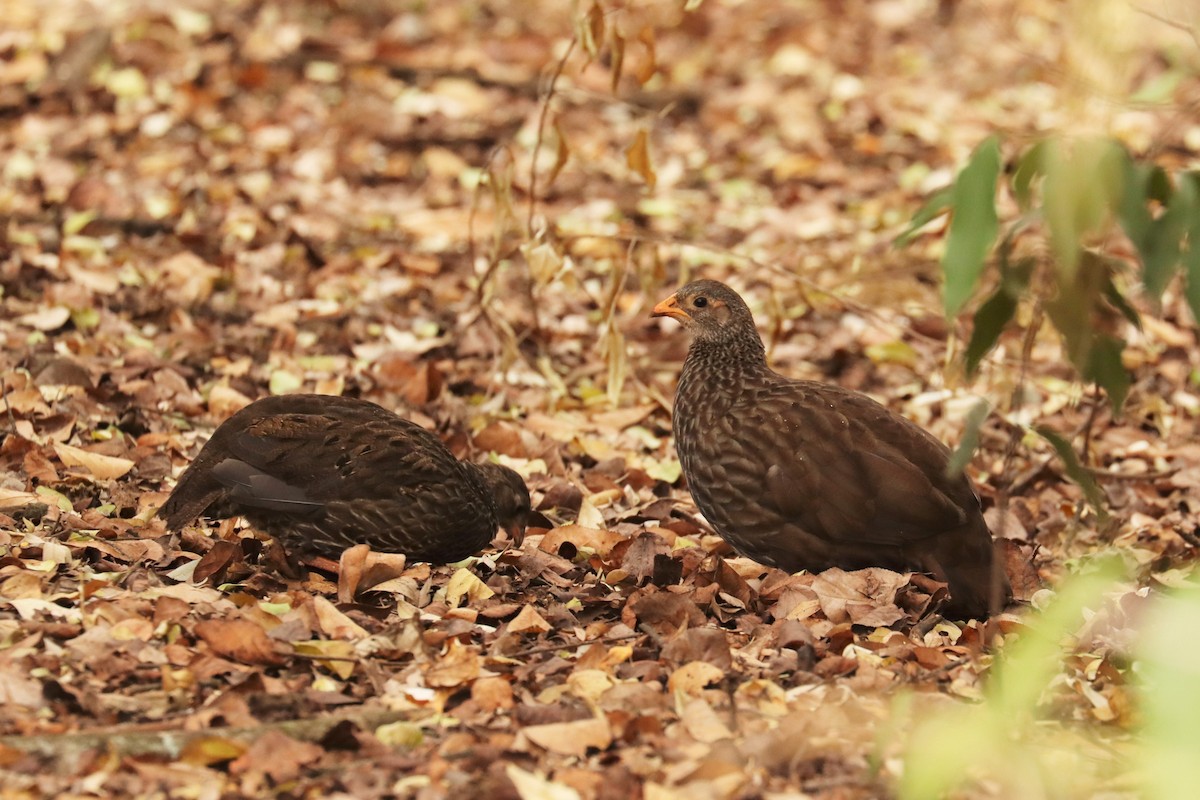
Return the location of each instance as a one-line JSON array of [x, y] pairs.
[[700, 302]]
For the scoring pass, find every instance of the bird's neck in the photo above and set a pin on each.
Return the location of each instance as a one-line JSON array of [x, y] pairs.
[[726, 363]]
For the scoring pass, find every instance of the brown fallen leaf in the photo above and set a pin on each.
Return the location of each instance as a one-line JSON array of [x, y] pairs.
[[637, 156], [699, 644], [459, 665], [693, 677], [639, 558], [334, 623], [1017, 560], [225, 401], [215, 561], [530, 786], [17, 688], [333, 655], [667, 612], [529, 621], [702, 723], [277, 755], [492, 693], [571, 738], [208, 750], [601, 541], [864, 596], [242, 641]]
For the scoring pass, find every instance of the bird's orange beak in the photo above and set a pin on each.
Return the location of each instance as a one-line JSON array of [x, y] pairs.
[[671, 308]]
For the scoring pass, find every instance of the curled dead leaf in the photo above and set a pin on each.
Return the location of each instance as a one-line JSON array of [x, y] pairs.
[[205, 751], [225, 401], [571, 738], [864, 596], [465, 584], [103, 467], [637, 156], [459, 665], [529, 621], [693, 677], [530, 786], [492, 693], [596, 539], [242, 641], [702, 723]]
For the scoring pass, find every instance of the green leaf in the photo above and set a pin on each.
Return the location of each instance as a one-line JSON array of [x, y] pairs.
[[970, 439], [1161, 248], [1074, 311], [1030, 166], [1169, 677], [1121, 304], [1132, 212], [1027, 666], [1082, 186], [973, 226], [947, 747], [1075, 470], [1191, 259], [1105, 368], [990, 320], [1159, 88], [1015, 275], [934, 207]]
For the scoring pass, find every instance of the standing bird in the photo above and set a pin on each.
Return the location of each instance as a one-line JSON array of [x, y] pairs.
[[805, 475], [322, 474]]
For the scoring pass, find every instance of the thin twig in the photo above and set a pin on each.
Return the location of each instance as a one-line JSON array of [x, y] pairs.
[[140, 740], [1014, 437], [1130, 476], [551, 648], [1190, 30], [805, 285], [1085, 451], [541, 131], [12, 422]]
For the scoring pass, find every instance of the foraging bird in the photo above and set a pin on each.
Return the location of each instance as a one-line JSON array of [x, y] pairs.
[[805, 475], [321, 474]]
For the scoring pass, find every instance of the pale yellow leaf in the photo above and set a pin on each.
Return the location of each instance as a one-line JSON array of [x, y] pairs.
[[465, 584], [334, 623], [534, 787], [333, 655], [101, 466], [529, 621], [571, 738], [637, 156], [692, 677], [703, 723]]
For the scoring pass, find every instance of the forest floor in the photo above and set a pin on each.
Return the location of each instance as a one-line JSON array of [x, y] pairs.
[[465, 212]]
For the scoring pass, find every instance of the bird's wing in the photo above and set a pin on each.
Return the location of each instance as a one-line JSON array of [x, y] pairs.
[[250, 486], [846, 469]]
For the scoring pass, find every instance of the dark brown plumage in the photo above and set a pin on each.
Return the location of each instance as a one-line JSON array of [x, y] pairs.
[[806, 475], [322, 473]]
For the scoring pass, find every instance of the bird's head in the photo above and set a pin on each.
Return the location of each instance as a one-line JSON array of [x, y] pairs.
[[512, 499], [710, 310]]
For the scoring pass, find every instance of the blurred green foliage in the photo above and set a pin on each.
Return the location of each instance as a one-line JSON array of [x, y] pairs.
[[1010, 745], [1075, 195]]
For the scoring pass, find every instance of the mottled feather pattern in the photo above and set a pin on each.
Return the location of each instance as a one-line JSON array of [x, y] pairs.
[[806, 475], [321, 474]]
